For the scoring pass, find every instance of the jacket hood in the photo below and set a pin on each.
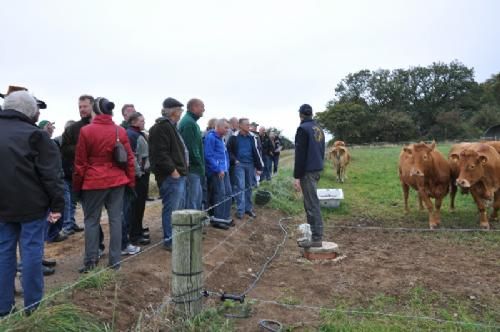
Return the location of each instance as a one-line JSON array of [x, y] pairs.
[[103, 119], [13, 114]]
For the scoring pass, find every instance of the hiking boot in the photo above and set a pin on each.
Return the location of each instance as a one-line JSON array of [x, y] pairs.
[[220, 225], [310, 244], [60, 237], [141, 241], [251, 214], [68, 232], [131, 250]]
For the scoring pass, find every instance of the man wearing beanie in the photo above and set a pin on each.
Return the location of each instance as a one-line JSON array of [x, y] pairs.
[[309, 157], [169, 160], [30, 187]]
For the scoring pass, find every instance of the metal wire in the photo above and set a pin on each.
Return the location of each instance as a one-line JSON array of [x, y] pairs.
[[409, 229]]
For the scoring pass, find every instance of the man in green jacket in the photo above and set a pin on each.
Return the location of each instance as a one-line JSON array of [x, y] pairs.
[[191, 133]]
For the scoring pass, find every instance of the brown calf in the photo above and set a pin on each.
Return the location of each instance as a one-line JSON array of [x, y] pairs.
[[341, 158]]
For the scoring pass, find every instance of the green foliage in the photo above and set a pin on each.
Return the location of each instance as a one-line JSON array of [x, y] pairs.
[[97, 279], [209, 320], [54, 318], [408, 313], [440, 101]]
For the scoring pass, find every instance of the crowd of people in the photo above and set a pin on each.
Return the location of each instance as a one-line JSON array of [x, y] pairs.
[[103, 165]]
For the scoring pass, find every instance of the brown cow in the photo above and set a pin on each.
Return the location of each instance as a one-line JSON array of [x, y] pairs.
[[455, 170], [341, 158], [338, 143], [431, 174], [407, 181], [479, 166]]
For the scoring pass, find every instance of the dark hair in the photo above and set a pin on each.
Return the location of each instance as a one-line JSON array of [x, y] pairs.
[[241, 120], [191, 103], [134, 116], [127, 106], [87, 97]]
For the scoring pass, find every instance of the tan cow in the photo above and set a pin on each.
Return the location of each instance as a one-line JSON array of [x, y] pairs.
[[479, 166], [407, 181], [341, 158], [430, 176], [455, 170]]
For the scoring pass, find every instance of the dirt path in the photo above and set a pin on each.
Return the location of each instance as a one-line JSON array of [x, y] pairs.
[[376, 262]]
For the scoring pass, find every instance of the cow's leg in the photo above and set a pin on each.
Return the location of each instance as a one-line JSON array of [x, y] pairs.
[[338, 174], [406, 192], [437, 213], [496, 206], [453, 193], [342, 174], [430, 207], [481, 206], [420, 203]]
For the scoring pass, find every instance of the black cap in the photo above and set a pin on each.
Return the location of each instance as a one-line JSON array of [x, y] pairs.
[[171, 103], [103, 106], [41, 104], [306, 109]]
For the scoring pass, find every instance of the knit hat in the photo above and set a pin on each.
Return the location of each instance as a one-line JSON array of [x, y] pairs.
[[103, 106], [306, 109], [42, 124], [171, 103]]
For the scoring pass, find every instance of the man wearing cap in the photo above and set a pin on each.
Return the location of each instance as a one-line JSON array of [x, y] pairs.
[[30, 187], [169, 160], [191, 135], [309, 156]]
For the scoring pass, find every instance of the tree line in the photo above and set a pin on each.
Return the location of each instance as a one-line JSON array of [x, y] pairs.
[[441, 101]]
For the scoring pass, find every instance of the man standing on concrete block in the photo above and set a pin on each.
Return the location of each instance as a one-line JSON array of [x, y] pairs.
[[309, 157]]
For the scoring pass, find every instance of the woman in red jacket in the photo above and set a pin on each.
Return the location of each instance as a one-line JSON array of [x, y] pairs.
[[100, 181]]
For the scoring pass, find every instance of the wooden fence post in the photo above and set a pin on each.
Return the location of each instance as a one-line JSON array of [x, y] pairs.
[[187, 264]]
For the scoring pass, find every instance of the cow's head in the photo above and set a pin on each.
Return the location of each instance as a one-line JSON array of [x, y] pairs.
[[471, 165], [422, 158], [338, 152]]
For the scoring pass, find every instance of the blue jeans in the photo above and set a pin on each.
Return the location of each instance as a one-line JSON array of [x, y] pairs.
[[172, 192], [266, 172], [194, 192], [244, 175], [276, 160], [69, 207], [220, 190], [30, 235]]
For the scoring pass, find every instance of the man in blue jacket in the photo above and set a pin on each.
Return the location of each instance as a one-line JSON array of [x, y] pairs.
[[217, 169], [309, 157]]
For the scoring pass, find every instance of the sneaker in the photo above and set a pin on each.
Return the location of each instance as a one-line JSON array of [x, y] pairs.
[[310, 244], [145, 232], [115, 267], [131, 250], [220, 225]]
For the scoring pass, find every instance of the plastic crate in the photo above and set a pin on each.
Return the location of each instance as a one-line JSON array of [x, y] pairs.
[[330, 198]]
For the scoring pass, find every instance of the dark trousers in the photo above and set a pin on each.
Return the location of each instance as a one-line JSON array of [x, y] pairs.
[[266, 172], [92, 204], [276, 160], [309, 184], [138, 206], [30, 236]]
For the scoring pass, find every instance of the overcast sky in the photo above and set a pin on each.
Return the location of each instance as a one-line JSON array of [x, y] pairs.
[[255, 59]]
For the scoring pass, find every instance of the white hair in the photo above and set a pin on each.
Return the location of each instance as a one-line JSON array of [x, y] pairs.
[[21, 101], [220, 123], [168, 112]]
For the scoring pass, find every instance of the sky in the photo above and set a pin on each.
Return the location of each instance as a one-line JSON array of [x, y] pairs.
[[255, 59]]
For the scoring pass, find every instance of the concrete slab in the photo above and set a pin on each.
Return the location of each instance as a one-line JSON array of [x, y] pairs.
[[329, 250]]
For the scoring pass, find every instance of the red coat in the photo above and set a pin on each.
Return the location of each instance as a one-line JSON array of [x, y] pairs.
[[94, 165]]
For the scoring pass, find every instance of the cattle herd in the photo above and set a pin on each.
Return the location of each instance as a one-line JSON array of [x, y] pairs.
[[474, 167]]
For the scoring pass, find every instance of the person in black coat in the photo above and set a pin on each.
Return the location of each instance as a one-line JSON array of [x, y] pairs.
[[30, 187]]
